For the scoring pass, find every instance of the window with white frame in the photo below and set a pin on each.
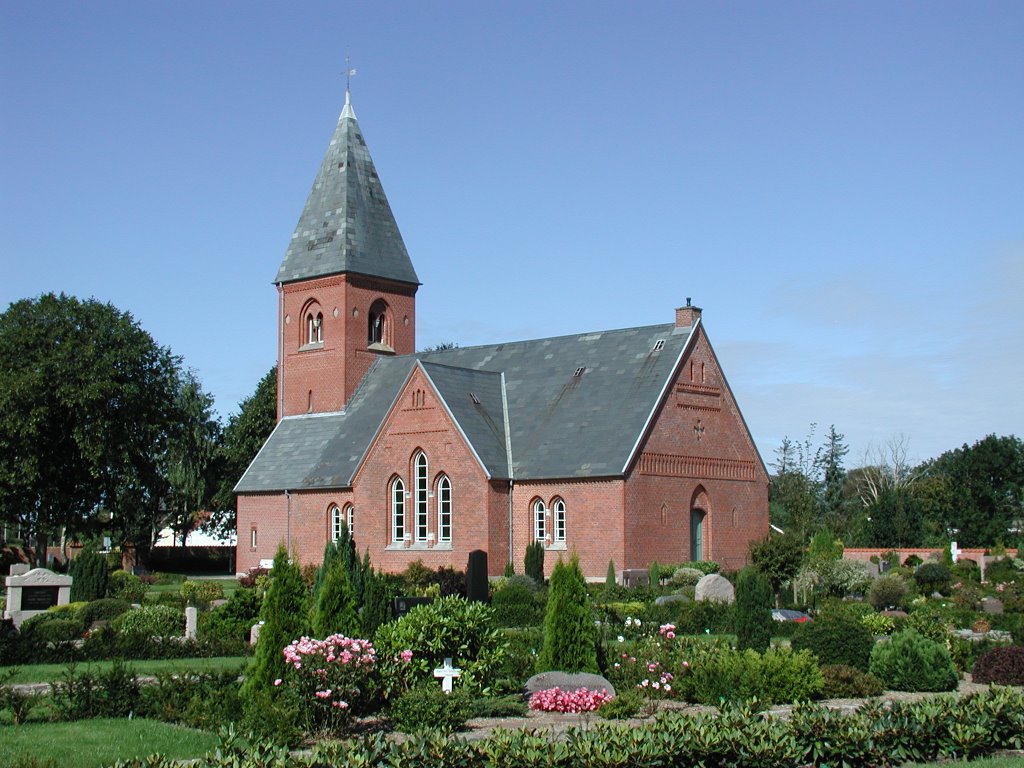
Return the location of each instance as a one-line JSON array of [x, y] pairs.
[[422, 494], [336, 519], [397, 510], [350, 519], [540, 524], [444, 509], [559, 510], [314, 328]]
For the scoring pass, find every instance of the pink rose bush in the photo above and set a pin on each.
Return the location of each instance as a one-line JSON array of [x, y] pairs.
[[580, 700], [332, 679]]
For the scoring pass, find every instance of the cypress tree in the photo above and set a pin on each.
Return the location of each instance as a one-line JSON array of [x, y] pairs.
[[754, 600], [570, 642], [284, 619], [534, 561], [609, 579], [331, 554], [335, 605], [89, 576]]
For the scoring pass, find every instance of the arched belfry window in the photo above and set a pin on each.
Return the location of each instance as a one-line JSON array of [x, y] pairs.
[[378, 324], [315, 328]]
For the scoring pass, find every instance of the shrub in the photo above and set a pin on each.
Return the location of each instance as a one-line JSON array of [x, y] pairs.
[[110, 693], [448, 627], [89, 575], [845, 682], [511, 705], [557, 700], [933, 577], [878, 623], [753, 610], [1002, 666], [931, 621], [336, 610], [887, 591], [201, 593], [624, 706], [534, 561], [427, 706], [705, 617], [150, 621], [126, 586], [232, 621], [779, 676], [206, 700], [686, 577], [516, 605], [911, 662], [569, 637], [56, 630], [839, 640], [610, 579], [103, 610]]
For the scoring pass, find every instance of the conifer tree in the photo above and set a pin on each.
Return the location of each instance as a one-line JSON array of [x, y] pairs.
[[335, 605], [89, 576], [284, 619], [534, 561], [569, 636], [609, 579], [754, 601]]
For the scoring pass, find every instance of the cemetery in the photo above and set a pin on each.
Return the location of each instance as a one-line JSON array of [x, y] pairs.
[[342, 664]]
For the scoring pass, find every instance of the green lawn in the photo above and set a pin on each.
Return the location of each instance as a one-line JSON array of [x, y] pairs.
[[48, 673], [93, 743]]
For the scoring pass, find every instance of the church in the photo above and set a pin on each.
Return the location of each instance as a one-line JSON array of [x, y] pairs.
[[615, 445]]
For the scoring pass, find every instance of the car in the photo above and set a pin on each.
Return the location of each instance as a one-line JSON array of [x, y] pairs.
[[785, 614]]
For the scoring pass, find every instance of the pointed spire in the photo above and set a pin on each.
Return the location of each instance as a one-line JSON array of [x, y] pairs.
[[347, 224]]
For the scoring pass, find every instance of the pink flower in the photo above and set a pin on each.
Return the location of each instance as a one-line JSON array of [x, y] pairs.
[[278, 681], [406, 656]]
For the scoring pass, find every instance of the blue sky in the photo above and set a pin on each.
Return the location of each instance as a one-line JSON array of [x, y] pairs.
[[839, 185]]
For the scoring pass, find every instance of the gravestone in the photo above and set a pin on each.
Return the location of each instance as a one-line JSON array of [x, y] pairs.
[[476, 576], [635, 577], [447, 674], [669, 599], [32, 593], [402, 605], [20, 569], [191, 620], [568, 681], [992, 605], [714, 588], [254, 633]]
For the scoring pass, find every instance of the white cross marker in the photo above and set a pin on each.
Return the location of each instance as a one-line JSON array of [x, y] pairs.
[[447, 673]]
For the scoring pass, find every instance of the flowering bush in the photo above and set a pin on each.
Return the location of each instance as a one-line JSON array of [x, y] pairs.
[[580, 700], [332, 679]]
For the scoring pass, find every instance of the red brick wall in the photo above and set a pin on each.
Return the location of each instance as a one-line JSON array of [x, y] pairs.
[[698, 442], [332, 370]]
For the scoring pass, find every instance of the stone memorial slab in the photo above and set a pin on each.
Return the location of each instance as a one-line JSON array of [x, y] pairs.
[[635, 577], [669, 599], [992, 606], [20, 569], [714, 588], [191, 622], [402, 605], [568, 681], [31, 593]]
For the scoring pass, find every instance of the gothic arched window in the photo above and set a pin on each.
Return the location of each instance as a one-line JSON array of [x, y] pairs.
[[444, 509], [422, 490], [559, 509], [540, 513], [397, 510]]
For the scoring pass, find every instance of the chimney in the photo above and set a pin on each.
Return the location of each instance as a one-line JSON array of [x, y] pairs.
[[687, 316]]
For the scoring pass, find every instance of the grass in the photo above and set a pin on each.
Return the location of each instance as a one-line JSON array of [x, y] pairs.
[[93, 743], [987, 762], [48, 673]]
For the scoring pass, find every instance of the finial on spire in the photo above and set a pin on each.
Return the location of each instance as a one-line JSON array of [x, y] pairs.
[[349, 71]]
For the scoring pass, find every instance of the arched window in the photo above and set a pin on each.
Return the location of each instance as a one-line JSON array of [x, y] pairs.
[[350, 518], [397, 511], [314, 328], [336, 519], [444, 509], [378, 331], [422, 490], [540, 513], [559, 510]]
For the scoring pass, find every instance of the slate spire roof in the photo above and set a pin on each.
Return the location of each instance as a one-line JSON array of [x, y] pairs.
[[347, 224]]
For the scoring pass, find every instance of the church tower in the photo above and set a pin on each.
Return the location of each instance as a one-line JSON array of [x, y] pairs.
[[346, 287]]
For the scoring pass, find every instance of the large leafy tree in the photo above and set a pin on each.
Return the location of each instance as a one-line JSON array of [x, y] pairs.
[[88, 403], [191, 457], [243, 437], [987, 480]]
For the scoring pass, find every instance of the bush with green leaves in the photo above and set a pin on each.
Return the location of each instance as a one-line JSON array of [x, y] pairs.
[[686, 577], [570, 641], [754, 600], [845, 682], [912, 662], [335, 610], [126, 586], [233, 620], [887, 591], [201, 593], [1002, 666], [930, 620], [933, 577], [150, 621], [450, 627], [18, 704], [89, 575], [836, 640], [426, 706], [206, 700], [878, 623], [516, 605], [107, 609], [113, 692], [778, 676]]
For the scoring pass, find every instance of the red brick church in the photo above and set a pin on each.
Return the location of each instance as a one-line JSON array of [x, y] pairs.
[[623, 445]]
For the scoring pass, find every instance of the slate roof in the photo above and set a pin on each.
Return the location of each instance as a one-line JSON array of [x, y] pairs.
[[557, 408], [347, 224]]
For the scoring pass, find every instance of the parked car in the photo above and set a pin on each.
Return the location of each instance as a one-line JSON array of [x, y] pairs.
[[785, 614]]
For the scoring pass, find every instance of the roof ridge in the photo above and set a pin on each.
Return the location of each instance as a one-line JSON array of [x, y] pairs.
[[421, 355]]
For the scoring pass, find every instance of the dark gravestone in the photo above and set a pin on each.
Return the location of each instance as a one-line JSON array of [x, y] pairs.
[[402, 605], [635, 577], [38, 598], [476, 576]]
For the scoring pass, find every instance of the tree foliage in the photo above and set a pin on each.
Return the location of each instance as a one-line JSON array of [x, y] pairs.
[[89, 404], [569, 639], [753, 610], [778, 557]]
